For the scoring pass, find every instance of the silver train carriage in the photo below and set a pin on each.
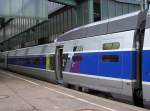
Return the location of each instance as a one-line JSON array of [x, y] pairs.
[[110, 56], [34, 61]]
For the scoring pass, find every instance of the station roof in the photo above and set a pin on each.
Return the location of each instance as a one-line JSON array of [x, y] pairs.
[[52, 7], [74, 2], [130, 1], [65, 2], [10, 9]]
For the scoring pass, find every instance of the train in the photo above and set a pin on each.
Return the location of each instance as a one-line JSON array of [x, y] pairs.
[[112, 56]]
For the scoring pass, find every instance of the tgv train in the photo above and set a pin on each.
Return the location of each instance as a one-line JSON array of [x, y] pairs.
[[111, 56]]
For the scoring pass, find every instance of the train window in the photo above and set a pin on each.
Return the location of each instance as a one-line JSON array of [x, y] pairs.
[[77, 58], [64, 61], [23, 61], [110, 46], [44, 60], [17, 61], [36, 61], [28, 61], [77, 48], [110, 58], [10, 61], [52, 62], [116, 45]]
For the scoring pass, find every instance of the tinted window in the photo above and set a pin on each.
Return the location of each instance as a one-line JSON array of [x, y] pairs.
[[110, 58], [28, 61], [77, 58], [19, 61], [52, 62], [110, 46], [65, 60], [44, 60], [36, 61]]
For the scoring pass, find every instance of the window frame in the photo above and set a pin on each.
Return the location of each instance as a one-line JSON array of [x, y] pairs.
[[77, 58], [110, 58], [112, 44]]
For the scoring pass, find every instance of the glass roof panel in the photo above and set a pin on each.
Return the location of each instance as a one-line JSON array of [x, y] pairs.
[[52, 7], [24, 8]]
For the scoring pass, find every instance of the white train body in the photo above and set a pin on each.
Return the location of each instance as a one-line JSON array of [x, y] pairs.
[[103, 56]]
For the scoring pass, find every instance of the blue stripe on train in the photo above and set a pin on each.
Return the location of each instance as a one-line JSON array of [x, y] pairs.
[[146, 66], [24, 61], [92, 64]]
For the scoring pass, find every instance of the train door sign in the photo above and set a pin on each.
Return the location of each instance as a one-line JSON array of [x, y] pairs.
[[58, 59], [111, 62]]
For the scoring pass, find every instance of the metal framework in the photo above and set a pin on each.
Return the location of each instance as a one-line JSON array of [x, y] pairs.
[[76, 13], [65, 2], [147, 2]]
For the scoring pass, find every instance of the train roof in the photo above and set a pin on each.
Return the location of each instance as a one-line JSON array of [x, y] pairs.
[[117, 24], [35, 50]]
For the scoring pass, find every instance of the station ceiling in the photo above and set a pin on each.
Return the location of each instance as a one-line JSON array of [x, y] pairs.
[[4, 22], [10, 9], [65, 2], [74, 2], [71, 3]]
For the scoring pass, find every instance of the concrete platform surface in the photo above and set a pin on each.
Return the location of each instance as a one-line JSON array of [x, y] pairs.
[[20, 93]]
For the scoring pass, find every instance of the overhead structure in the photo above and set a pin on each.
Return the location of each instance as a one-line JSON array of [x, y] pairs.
[[52, 7], [24, 8], [24, 30], [65, 2], [144, 4], [147, 3], [130, 1]]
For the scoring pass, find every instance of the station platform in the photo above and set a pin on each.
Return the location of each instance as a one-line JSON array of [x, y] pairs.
[[20, 93]]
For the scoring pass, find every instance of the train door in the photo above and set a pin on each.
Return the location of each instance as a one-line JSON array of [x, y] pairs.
[[111, 62], [58, 69], [140, 58], [146, 68]]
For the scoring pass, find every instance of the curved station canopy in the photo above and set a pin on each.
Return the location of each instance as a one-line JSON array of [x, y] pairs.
[[24, 8]]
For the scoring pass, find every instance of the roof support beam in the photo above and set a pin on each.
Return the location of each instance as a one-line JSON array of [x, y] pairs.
[[90, 11], [130, 1], [65, 2]]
